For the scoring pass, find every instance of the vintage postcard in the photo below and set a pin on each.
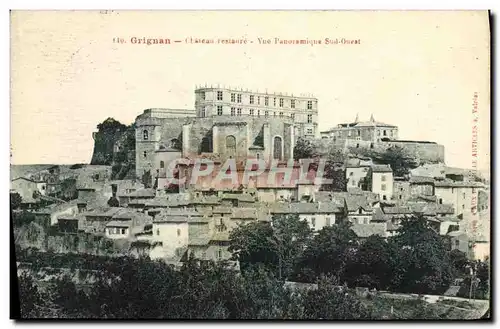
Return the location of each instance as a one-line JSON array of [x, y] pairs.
[[320, 165]]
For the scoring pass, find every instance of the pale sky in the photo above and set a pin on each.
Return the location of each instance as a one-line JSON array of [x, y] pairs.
[[417, 70]]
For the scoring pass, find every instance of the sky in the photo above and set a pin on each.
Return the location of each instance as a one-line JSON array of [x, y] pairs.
[[416, 70]]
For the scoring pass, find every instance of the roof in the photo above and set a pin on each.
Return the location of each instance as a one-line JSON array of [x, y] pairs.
[[397, 210], [163, 218], [381, 168], [430, 208], [206, 200], [366, 230], [451, 183], [356, 201], [421, 180], [166, 201], [118, 223], [104, 212], [198, 240], [238, 196]]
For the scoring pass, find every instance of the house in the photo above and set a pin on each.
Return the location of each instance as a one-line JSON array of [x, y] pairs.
[[356, 171], [317, 215], [462, 195], [380, 181], [29, 190], [401, 190], [359, 208], [421, 185], [68, 225], [237, 199], [54, 211], [124, 229]]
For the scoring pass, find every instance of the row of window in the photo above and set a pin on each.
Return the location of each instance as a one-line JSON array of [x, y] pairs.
[[238, 112], [351, 132], [328, 221], [236, 98]]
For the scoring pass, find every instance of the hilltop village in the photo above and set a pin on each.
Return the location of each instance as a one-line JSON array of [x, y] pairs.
[[377, 181]]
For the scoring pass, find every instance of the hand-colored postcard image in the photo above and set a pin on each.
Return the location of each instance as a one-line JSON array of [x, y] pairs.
[[290, 165]]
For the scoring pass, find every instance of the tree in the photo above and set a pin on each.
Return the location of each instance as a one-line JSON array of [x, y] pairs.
[[113, 202], [68, 189], [459, 262], [29, 296], [328, 253], [331, 302], [15, 201], [147, 179], [290, 238], [419, 260], [370, 265], [251, 244]]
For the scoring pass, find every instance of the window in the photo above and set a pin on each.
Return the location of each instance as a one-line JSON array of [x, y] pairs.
[[252, 99], [158, 231], [383, 178], [463, 206], [384, 197], [239, 112], [202, 95], [281, 114], [464, 195], [162, 164], [278, 147], [473, 190], [383, 187], [266, 114], [274, 113], [219, 95], [328, 221], [440, 201], [251, 111], [359, 132], [351, 173], [400, 197], [231, 145], [313, 222], [357, 145], [219, 109], [274, 102], [360, 211], [309, 118], [281, 102], [378, 132], [385, 132], [124, 231], [309, 105], [233, 97], [292, 116], [145, 135], [309, 131], [219, 254], [178, 232], [292, 103], [258, 113], [258, 100], [239, 98], [203, 112], [457, 244], [371, 145], [233, 111], [258, 156], [266, 101], [145, 154]]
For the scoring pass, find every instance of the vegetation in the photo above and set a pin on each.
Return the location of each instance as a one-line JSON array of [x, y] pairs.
[[15, 201]]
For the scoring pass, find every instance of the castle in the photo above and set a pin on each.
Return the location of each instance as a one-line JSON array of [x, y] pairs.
[[226, 123]]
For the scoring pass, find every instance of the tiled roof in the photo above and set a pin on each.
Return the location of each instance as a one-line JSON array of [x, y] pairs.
[[118, 223], [222, 210], [165, 202], [366, 230], [244, 213], [104, 212], [304, 208], [451, 183], [397, 210], [206, 200], [421, 180], [170, 219], [355, 201], [238, 196]]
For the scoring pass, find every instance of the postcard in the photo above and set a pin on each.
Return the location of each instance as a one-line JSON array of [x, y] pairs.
[[289, 165]]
